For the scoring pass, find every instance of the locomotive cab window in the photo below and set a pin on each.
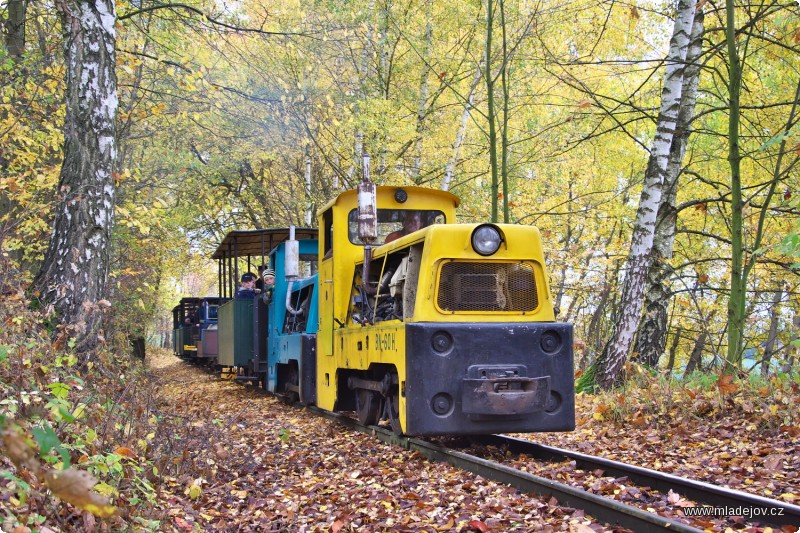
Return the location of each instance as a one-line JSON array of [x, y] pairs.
[[392, 221], [300, 302], [308, 265]]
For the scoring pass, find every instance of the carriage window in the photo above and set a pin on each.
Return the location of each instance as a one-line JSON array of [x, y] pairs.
[[391, 220]]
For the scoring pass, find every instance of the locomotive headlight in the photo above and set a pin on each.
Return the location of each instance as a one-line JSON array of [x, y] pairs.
[[486, 239]]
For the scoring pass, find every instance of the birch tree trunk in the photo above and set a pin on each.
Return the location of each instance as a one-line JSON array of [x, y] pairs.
[[360, 85], [309, 213], [450, 169], [609, 365], [73, 275], [652, 335], [422, 100]]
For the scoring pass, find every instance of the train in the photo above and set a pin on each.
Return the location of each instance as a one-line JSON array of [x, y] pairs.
[[442, 328]]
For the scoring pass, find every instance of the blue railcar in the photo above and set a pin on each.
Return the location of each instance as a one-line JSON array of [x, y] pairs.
[[293, 320]]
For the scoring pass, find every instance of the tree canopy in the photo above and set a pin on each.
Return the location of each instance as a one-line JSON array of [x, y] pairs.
[[223, 107]]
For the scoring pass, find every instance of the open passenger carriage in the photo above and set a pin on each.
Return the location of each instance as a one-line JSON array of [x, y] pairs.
[[249, 328]]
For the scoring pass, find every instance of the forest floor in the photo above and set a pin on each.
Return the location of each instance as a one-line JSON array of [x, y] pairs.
[[248, 462], [242, 460]]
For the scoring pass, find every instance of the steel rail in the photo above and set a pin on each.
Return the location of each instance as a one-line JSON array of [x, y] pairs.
[[602, 509], [705, 493]]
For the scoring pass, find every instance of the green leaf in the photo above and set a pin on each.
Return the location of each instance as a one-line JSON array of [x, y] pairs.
[[60, 390], [65, 461], [46, 438], [775, 140], [66, 415]]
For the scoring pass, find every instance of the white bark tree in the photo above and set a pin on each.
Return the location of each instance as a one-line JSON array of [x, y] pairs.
[[609, 365], [73, 276], [450, 169], [652, 336]]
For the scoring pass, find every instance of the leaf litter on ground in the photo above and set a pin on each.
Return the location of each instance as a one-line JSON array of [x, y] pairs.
[[245, 461]]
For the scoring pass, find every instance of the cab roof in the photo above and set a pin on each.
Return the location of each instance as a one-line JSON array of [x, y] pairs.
[[258, 242], [413, 192]]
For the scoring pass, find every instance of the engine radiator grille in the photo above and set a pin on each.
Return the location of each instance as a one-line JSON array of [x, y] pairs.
[[506, 287]]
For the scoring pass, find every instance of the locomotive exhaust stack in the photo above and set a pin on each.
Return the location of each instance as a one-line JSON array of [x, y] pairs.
[[367, 222], [291, 260]]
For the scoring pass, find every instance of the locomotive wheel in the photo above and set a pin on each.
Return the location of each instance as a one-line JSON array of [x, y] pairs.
[[391, 409], [392, 412], [368, 407]]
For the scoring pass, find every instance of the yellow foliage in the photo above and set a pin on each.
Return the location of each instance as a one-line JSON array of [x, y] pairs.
[[75, 486]]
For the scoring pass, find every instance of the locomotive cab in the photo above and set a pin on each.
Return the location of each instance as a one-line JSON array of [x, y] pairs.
[[447, 329], [292, 310]]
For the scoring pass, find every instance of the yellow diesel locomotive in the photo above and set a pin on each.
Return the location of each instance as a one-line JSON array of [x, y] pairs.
[[436, 327]]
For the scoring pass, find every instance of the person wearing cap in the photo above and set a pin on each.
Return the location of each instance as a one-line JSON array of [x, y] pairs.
[[267, 284], [247, 286]]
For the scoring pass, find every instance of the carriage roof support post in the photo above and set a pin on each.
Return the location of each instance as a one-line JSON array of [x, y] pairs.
[[220, 264], [229, 280], [226, 273], [235, 265]]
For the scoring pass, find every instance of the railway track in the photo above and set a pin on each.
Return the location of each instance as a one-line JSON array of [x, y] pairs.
[[603, 509], [607, 510], [772, 512]]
